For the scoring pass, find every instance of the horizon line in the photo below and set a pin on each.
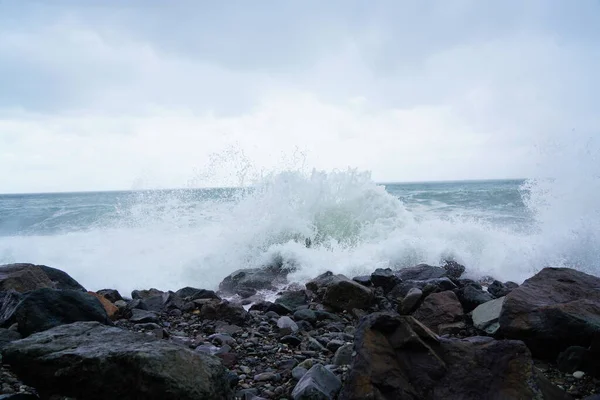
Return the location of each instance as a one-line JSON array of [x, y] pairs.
[[240, 187]]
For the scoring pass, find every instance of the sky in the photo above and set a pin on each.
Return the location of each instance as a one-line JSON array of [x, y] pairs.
[[112, 94]]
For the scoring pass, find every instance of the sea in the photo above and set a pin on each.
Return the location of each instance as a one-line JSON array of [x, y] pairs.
[[168, 239]]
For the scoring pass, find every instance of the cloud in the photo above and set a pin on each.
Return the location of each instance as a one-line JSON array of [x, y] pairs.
[[112, 96]]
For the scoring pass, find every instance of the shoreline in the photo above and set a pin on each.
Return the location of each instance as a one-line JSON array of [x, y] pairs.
[[318, 339]]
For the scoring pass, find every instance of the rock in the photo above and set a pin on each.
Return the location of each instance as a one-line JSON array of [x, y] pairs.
[[267, 377], [7, 336], [61, 279], [164, 302], [498, 289], [111, 295], [266, 306], [555, 309], [578, 374], [305, 315], [334, 344], [364, 280], [23, 278], [343, 355], [453, 269], [223, 310], [385, 279], [341, 293], [421, 272], [286, 325], [470, 297], [577, 358], [245, 292], [111, 310], [146, 293], [255, 278], [222, 339], [291, 340], [46, 308], [19, 396], [411, 300], [487, 315], [105, 362], [293, 299], [439, 309], [298, 373], [318, 383], [427, 286], [191, 294], [143, 316], [399, 358], [148, 326]]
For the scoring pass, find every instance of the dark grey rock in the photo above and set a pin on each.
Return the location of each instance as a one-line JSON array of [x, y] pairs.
[[191, 294], [343, 355], [104, 362], [245, 292], [305, 315], [577, 358], [385, 279], [487, 315], [341, 293], [470, 297], [317, 383], [364, 280], [256, 278], [291, 340], [148, 326], [7, 336], [293, 299], [142, 316], [453, 269], [222, 339], [144, 294], [266, 306], [46, 308], [334, 344], [411, 300], [223, 310], [421, 272], [298, 373]]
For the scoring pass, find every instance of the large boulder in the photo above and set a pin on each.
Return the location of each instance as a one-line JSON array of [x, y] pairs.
[[87, 360], [439, 309], [398, 358], [293, 299], [24, 277], [341, 293], [317, 384], [7, 336], [421, 272], [190, 294], [223, 310], [46, 308], [385, 279], [253, 278], [555, 309]]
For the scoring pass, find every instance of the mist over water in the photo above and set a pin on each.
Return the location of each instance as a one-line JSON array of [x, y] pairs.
[[195, 237]]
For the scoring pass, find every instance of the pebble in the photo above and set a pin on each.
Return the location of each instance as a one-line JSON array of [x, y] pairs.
[[267, 377], [578, 374]]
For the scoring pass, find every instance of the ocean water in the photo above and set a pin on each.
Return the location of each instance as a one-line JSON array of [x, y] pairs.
[[169, 239]]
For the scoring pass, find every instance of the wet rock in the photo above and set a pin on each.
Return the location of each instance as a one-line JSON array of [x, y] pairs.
[[148, 326], [385, 279], [111, 295], [293, 299], [427, 286], [364, 280], [23, 278], [305, 315], [453, 269], [223, 310], [267, 377], [266, 306], [318, 383], [286, 325], [398, 358], [291, 340], [190, 294], [421, 272], [343, 355], [334, 344], [143, 316], [555, 309], [439, 309], [298, 373], [245, 292], [487, 315], [146, 293], [104, 361], [577, 358], [46, 308], [411, 300], [255, 278], [470, 297], [498, 289], [222, 339], [341, 293], [7, 336]]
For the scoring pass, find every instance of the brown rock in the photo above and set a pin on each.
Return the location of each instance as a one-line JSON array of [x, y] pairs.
[[341, 293], [439, 309], [555, 309], [23, 278], [111, 310], [398, 358]]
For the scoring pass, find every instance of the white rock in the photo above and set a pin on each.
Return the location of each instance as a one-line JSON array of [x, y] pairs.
[[578, 374]]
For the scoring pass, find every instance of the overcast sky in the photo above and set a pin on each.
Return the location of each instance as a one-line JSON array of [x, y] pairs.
[[114, 94]]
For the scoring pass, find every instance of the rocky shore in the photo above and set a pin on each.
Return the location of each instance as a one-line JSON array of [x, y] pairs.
[[417, 333]]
